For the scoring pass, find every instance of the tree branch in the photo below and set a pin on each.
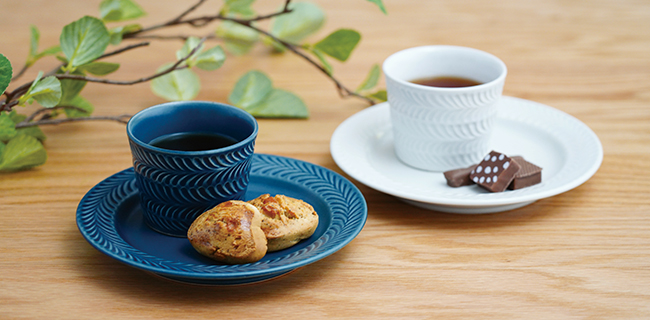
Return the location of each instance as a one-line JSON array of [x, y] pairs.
[[173, 22], [189, 10], [44, 110], [172, 68], [176, 66], [11, 97], [127, 48], [343, 91], [9, 102], [285, 9], [121, 118], [181, 37], [204, 20], [20, 73]]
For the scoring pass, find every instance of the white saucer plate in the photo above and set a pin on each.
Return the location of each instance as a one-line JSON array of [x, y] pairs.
[[568, 151]]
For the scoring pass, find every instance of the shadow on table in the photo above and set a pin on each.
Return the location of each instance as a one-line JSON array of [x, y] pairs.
[[393, 211]]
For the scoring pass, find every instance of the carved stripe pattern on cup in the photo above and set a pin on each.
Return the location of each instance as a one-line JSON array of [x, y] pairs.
[[193, 181], [451, 101], [420, 127], [190, 194], [450, 154], [193, 163], [197, 179]]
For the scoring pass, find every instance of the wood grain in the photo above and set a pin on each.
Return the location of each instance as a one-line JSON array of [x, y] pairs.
[[584, 254]]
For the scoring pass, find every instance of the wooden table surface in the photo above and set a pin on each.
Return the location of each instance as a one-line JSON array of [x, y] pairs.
[[583, 254]]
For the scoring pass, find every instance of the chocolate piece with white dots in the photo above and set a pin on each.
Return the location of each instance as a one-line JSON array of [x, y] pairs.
[[495, 172]]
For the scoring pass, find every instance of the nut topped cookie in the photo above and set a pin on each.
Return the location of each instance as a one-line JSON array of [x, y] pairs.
[[230, 232], [285, 220]]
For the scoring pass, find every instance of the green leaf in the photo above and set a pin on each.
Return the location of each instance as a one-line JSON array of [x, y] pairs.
[[229, 30], [254, 93], [49, 51], [120, 10], [380, 95], [339, 44], [85, 108], [33, 131], [242, 7], [27, 97], [181, 84], [190, 44], [100, 68], [238, 48], [238, 39], [62, 59], [380, 4], [211, 59], [2, 149], [33, 54], [371, 79], [250, 89], [117, 33], [109, 10], [6, 72], [323, 61], [70, 88], [33, 45], [16, 117], [305, 19], [279, 104], [47, 92], [22, 152], [84, 40], [7, 127]]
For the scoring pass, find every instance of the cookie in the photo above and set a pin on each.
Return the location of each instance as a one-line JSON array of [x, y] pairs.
[[230, 232], [285, 220]]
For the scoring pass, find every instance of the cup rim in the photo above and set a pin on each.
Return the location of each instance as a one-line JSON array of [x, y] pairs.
[[500, 78], [139, 114]]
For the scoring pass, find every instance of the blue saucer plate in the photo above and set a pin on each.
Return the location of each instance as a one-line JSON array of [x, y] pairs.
[[110, 218]]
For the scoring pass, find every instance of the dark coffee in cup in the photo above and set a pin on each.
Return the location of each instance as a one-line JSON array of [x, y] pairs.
[[193, 141]]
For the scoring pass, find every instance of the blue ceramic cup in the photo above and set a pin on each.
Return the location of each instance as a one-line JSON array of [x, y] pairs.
[[177, 185]]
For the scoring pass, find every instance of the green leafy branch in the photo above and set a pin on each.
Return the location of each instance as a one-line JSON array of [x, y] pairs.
[[82, 47], [241, 34]]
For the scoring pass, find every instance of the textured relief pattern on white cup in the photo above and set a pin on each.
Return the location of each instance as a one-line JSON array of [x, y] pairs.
[[439, 123], [423, 153], [449, 100], [419, 128], [434, 113], [435, 128], [442, 131]]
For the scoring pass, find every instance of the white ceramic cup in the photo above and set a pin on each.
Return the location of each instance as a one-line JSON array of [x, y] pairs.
[[435, 128]]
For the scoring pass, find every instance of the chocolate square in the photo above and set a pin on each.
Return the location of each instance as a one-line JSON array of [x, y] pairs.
[[495, 172], [459, 177], [528, 175]]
